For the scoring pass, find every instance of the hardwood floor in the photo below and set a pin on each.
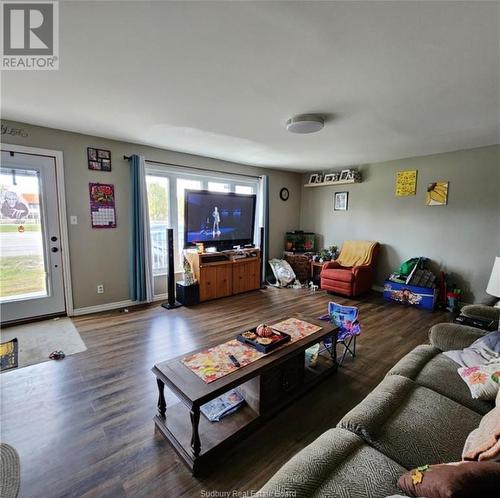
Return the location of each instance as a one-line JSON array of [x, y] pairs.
[[84, 426]]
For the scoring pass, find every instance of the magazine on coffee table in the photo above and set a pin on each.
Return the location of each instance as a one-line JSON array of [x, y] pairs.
[[222, 406]]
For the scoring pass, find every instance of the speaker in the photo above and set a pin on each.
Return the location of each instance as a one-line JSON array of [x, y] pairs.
[[171, 303], [263, 263]]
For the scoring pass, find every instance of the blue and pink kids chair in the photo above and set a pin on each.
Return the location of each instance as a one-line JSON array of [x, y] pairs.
[[346, 318]]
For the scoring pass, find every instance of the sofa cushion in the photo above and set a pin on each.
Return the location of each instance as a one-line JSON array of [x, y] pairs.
[[342, 275], [427, 366], [411, 424], [337, 464]]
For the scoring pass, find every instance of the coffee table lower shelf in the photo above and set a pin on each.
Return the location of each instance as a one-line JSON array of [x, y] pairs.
[[214, 436]]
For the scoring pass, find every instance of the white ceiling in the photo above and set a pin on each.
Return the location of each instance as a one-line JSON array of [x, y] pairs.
[[220, 79]]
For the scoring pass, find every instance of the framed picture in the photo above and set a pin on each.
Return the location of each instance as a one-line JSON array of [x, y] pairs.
[[331, 177], [345, 174], [437, 194], [99, 159], [406, 183], [340, 201], [315, 178]]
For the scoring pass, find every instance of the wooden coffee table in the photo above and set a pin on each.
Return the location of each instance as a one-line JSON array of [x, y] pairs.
[[267, 385]]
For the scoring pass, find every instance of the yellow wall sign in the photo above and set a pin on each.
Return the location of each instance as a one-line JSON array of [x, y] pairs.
[[406, 183]]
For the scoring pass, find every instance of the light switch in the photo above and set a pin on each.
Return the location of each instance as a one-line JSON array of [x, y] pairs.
[[73, 220]]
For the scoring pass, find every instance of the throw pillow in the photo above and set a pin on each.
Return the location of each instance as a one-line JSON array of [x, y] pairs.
[[483, 350], [453, 480], [483, 443], [482, 380]]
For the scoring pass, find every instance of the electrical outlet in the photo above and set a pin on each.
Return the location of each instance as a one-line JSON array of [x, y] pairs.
[[100, 289], [73, 220]]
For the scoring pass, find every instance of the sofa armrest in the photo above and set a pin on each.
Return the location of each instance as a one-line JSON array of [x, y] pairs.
[[450, 336], [330, 265], [481, 311], [362, 269]]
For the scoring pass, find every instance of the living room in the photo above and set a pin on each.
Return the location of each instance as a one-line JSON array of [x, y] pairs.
[[188, 217]]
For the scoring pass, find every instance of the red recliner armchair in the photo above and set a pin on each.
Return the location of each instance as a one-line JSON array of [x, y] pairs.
[[353, 272]]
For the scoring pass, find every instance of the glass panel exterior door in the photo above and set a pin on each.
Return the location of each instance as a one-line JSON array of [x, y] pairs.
[[31, 282]]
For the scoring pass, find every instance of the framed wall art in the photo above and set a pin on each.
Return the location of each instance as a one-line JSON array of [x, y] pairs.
[[406, 183], [340, 201], [437, 194], [99, 159]]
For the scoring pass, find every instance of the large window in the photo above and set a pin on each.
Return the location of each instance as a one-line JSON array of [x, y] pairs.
[[158, 196], [166, 187], [183, 185]]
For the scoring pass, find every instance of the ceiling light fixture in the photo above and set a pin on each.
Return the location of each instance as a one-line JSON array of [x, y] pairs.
[[305, 123]]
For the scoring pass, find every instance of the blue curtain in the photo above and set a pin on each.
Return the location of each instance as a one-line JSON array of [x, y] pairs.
[[140, 274], [265, 206]]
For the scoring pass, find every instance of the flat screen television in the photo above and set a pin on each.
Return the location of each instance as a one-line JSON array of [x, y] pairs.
[[219, 219]]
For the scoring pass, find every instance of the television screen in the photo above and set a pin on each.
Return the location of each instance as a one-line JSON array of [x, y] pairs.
[[224, 219]]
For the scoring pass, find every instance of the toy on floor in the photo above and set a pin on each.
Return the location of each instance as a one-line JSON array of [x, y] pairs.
[[57, 355], [313, 287]]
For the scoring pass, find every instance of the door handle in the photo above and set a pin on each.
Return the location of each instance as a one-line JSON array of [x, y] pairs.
[[55, 249]]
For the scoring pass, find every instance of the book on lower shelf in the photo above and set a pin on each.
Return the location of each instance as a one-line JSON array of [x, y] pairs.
[[222, 406]]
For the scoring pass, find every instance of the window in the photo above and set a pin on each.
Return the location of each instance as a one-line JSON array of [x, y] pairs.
[[166, 187], [244, 189], [158, 219], [218, 187], [183, 184]]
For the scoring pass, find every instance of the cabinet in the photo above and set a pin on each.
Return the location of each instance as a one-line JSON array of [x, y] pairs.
[[219, 275], [246, 276], [208, 275]]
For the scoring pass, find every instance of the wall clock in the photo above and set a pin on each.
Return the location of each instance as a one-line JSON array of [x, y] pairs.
[[284, 194]]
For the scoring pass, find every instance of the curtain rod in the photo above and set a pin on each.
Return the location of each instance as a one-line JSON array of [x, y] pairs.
[[197, 169]]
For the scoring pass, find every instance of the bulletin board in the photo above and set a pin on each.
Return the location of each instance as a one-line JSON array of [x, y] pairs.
[[406, 183], [102, 205]]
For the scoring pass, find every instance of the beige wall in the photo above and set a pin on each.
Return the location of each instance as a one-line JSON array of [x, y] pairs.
[[461, 238], [101, 256]]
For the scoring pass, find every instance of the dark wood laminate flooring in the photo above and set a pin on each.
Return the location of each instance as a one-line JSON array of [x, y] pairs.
[[83, 426]]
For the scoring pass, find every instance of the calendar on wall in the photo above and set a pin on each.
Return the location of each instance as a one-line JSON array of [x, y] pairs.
[[102, 205]]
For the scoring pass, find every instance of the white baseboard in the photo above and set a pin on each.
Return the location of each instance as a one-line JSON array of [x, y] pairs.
[[113, 306]]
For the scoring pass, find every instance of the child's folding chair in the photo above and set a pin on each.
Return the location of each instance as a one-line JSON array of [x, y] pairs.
[[346, 318]]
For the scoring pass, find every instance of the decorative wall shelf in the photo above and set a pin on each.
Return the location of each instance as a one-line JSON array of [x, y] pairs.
[[327, 184]]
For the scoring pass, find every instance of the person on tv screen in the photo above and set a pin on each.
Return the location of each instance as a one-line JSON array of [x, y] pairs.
[[216, 218]]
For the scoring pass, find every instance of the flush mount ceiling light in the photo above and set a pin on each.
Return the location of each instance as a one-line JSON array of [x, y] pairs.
[[305, 123]]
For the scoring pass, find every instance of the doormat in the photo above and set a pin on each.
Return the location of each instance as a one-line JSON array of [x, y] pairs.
[[38, 339], [8, 354]]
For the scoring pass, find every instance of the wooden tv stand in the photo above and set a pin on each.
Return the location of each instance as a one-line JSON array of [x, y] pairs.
[[221, 274]]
